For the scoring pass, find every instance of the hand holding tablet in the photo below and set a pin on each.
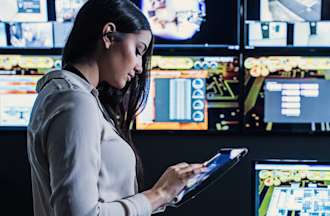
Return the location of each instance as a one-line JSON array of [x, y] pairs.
[[217, 166]]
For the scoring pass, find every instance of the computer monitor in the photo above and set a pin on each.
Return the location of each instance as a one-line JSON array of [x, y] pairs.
[[312, 34], [18, 77], [61, 33], [193, 22], [287, 94], [23, 11], [31, 35], [66, 10], [289, 23], [290, 10], [192, 93], [267, 34], [3, 35], [291, 188]]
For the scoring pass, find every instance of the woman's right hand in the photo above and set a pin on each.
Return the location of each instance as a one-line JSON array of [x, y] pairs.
[[172, 182]]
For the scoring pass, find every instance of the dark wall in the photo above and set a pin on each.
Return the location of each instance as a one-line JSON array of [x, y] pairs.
[[230, 196]]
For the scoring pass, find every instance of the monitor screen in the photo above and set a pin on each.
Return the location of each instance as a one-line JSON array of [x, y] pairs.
[[61, 33], [285, 93], [31, 35], [266, 34], [313, 34], [66, 10], [3, 35], [193, 22], [289, 23], [192, 93], [291, 188], [290, 10], [23, 11], [18, 77]]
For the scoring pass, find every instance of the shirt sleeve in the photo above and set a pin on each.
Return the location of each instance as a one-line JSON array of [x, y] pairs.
[[73, 150]]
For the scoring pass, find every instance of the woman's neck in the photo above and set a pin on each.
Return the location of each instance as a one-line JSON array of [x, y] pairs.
[[90, 70]]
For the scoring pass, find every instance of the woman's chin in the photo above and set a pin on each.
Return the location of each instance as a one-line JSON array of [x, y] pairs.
[[122, 84]]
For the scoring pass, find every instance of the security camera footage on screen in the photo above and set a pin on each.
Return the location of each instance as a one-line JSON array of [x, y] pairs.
[[192, 93], [287, 94], [288, 23], [18, 78], [66, 10], [31, 35], [36, 24], [192, 22], [292, 189], [3, 36], [23, 11]]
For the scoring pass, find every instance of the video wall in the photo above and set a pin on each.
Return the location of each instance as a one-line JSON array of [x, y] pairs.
[[216, 68]]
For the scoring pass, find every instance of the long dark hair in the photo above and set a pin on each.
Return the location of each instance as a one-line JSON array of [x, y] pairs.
[[122, 105]]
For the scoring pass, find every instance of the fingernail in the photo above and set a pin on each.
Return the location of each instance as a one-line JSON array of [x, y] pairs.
[[205, 169]]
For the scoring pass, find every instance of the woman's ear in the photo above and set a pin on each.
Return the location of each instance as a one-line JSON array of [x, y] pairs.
[[107, 37]]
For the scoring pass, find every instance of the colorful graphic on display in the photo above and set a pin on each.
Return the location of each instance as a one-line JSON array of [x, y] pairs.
[[192, 93], [175, 20], [66, 10], [37, 35], [18, 78], [23, 11], [284, 190], [281, 92]]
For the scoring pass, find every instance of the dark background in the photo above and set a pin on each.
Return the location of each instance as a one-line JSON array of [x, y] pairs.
[[231, 196]]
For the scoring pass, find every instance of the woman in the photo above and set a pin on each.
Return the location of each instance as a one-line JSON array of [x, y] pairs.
[[82, 159]]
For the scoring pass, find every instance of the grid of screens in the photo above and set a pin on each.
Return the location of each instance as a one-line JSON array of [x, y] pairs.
[[36, 24], [18, 77], [286, 93], [287, 23], [192, 93], [288, 188], [193, 22], [206, 93]]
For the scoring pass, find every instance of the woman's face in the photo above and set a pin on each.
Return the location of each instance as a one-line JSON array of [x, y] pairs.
[[122, 61]]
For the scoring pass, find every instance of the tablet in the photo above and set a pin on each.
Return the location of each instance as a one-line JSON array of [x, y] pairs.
[[217, 166]]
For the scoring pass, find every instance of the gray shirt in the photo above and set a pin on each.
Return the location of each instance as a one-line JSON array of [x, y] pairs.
[[80, 166]]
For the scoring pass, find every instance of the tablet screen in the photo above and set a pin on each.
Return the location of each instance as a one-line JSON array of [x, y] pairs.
[[224, 158]]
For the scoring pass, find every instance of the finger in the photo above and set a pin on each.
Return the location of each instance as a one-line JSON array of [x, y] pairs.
[[193, 169], [181, 165]]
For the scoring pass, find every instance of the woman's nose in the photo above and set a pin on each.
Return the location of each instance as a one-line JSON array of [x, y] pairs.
[[138, 68]]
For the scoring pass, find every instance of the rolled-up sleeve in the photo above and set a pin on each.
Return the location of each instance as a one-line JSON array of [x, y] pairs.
[[73, 151]]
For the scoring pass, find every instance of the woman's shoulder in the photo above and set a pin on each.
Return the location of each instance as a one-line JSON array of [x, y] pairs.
[[62, 80], [62, 90]]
